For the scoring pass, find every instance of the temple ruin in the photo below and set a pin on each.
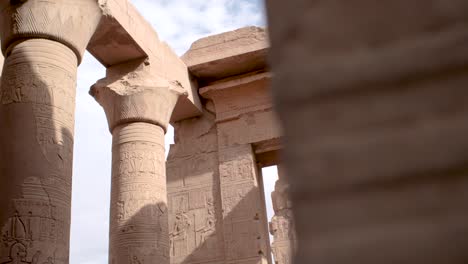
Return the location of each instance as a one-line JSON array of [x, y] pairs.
[[371, 119], [205, 204]]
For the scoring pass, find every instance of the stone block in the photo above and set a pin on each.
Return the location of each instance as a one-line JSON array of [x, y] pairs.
[[227, 54]]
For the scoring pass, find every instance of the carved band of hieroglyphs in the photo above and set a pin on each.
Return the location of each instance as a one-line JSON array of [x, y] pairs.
[[138, 227], [236, 170], [38, 86]]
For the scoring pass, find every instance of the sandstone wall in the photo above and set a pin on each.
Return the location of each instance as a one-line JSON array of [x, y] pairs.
[[217, 210]]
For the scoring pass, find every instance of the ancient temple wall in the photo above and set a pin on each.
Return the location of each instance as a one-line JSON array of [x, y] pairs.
[[244, 116], [195, 217], [214, 157], [244, 113], [245, 227]]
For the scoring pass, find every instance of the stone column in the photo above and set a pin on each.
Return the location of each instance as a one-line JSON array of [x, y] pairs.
[[138, 107], [282, 223], [43, 42]]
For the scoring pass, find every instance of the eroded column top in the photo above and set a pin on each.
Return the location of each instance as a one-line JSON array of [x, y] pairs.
[[136, 96]]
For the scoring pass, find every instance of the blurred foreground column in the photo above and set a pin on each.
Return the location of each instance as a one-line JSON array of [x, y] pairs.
[[373, 100], [43, 43], [138, 107]]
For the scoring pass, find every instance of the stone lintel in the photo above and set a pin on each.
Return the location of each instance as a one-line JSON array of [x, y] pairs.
[[273, 144], [242, 95], [228, 54], [250, 79], [267, 152], [130, 93], [124, 35], [243, 109]]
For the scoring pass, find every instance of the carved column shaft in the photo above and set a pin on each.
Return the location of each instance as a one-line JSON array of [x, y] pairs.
[[138, 223], [36, 151], [138, 107], [43, 42]]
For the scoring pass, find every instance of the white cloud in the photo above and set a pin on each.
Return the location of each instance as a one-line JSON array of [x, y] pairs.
[[179, 23]]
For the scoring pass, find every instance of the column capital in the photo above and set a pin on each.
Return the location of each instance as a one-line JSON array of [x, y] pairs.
[[137, 96], [70, 22]]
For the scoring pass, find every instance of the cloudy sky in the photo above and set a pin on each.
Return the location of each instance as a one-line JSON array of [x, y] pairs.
[[178, 22]]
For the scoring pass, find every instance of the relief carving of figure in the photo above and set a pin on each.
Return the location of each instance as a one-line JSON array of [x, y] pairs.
[[210, 221], [179, 234], [18, 254], [16, 229]]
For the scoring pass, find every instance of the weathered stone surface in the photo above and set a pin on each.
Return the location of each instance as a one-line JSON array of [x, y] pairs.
[[195, 215], [227, 54], [138, 107], [243, 107], [37, 106], [213, 173], [136, 96], [373, 118], [43, 42], [138, 220], [62, 21], [245, 228]]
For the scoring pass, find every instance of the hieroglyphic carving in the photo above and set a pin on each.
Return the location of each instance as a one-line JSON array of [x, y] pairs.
[[35, 221], [179, 235], [210, 222], [237, 170], [139, 162], [192, 171], [193, 185], [139, 227], [245, 233], [193, 222], [44, 89]]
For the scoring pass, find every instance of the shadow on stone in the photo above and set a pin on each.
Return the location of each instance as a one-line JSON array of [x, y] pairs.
[[37, 99]]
